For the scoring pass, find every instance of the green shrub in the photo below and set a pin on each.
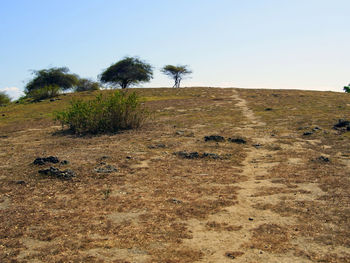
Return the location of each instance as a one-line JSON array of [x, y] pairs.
[[347, 89], [44, 93], [4, 98], [105, 113]]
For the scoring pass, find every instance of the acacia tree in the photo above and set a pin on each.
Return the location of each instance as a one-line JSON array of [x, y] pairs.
[[52, 77], [347, 88], [87, 85], [176, 72], [126, 72]]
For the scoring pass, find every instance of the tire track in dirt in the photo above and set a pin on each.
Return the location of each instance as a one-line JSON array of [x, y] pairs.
[[231, 246]]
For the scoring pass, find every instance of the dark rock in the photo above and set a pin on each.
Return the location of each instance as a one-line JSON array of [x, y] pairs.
[[323, 159], [20, 182], [257, 145], [230, 255], [342, 125], [128, 157], [211, 155], [106, 169], [64, 162], [307, 133], [55, 172], [215, 138], [250, 219], [3, 115], [43, 160], [186, 155], [237, 140], [268, 109], [316, 129], [155, 146], [196, 155]]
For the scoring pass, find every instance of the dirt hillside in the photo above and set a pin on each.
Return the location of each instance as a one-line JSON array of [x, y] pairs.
[[215, 175]]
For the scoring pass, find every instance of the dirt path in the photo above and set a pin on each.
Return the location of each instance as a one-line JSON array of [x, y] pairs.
[[231, 243]]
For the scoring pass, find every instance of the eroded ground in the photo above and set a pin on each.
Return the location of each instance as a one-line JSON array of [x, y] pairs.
[[269, 200]]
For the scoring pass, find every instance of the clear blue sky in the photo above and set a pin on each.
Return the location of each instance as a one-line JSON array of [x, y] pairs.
[[295, 44]]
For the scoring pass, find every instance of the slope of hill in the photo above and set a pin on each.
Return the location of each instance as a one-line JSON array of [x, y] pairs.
[[273, 188]]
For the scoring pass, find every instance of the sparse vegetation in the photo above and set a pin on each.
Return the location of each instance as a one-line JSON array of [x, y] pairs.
[[126, 72], [119, 111], [347, 88], [44, 92], [176, 72], [4, 98]]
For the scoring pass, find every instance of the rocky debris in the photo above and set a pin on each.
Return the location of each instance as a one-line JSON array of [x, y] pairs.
[[308, 133], [21, 182], [268, 109], [211, 156], [44, 160], [316, 129], [175, 201], [156, 146], [237, 140], [215, 138], [188, 155], [322, 159], [196, 155], [250, 219], [257, 145], [342, 125], [55, 172], [64, 162], [129, 157], [106, 169]]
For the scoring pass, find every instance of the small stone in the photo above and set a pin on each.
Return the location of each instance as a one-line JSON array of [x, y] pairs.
[[237, 140], [307, 133], [268, 109], [175, 201], [128, 157], [323, 159], [250, 219], [257, 145], [64, 162], [180, 132], [20, 182]]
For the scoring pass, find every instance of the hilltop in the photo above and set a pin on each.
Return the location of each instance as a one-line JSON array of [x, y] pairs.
[[215, 175]]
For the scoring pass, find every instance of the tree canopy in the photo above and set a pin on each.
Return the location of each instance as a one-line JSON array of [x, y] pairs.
[[126, 72], [59, 77], [347, 88], [176, 72]]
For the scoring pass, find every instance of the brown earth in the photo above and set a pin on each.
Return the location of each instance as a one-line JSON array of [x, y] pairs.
[[269, 200]]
